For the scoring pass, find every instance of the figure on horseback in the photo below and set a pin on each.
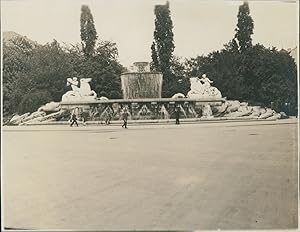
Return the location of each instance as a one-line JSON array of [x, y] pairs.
[[84, 92]]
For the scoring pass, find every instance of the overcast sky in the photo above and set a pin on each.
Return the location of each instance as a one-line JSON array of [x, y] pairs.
[[199, 26]]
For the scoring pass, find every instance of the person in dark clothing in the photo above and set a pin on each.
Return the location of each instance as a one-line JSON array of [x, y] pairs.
[[84, 117], [108, 116], [107, 119], [74, 120], [125, 117], [177, 114]]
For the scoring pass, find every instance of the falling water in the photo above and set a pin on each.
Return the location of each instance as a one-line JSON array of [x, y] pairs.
[[192, 111], [108, 111], [164, 113], [141, 85], [183, 111], [144, 111]]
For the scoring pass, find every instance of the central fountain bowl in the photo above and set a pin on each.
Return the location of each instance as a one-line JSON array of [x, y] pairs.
[[140, 82]]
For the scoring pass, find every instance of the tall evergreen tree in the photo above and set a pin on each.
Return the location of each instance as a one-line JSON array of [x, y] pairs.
[[163, 46], [154, 63], [100, 60], [244, 28], [88, 32]]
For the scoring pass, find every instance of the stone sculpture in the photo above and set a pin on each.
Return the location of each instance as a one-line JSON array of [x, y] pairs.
[[103, 98], [82, 93], [74, 84], [178, 95], [50, 107], [236, 109], [201, 88], [17, 119]]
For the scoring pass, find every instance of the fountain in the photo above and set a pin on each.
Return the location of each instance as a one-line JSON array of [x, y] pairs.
[[141, 83], [142, 97]]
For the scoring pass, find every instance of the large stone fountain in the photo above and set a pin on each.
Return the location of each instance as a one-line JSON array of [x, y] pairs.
[[140, 83], [142, 99]]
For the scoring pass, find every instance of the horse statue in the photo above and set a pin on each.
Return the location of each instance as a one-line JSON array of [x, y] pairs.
[[84, 92], [201, 88], [85, 88]]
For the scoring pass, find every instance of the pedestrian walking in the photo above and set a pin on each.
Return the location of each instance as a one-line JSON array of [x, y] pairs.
[[125, 117], [108, 116], [177, 115], [73, 120], [84, 117]]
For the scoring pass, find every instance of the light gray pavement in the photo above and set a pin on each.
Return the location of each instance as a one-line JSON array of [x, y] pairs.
[[233, 175]]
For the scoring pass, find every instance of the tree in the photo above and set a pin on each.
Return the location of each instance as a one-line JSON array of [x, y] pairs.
[[244, 28], [41, 79], [100, 60], [106, 71], [50, 66], [16, 54], [180, 81], [270, 76], [163, 46], [258, 76], [36, 74], [222, 67], [33, 100], [154, 64], [254, 74], [88, 32], [103, 67]]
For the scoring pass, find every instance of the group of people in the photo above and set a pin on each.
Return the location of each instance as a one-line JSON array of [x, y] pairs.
[[73, 119], [125, 115]]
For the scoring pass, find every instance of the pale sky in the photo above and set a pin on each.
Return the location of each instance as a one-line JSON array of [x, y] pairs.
[[199, 26]]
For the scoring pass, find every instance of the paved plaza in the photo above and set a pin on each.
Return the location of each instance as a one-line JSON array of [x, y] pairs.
[[231, 175]]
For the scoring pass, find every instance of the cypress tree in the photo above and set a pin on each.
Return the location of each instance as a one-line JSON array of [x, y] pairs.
[[154, 63], [163, 45], [88, 32], [244, 28]]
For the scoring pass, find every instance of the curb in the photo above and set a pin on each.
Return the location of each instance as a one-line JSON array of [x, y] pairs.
[[164, 121]]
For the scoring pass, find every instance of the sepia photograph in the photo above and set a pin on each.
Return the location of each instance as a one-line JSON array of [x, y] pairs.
[[149, 115]]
